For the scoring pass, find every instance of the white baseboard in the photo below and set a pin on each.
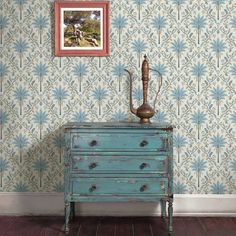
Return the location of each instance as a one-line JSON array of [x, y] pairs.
[[52, 204]]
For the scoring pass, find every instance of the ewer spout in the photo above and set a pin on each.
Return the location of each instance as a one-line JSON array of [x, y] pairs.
[[132, 109]]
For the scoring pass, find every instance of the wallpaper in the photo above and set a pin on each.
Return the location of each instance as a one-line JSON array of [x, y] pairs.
[[191, 42]]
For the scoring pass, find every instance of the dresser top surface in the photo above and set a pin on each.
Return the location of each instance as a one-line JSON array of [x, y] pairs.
[[92, 125]]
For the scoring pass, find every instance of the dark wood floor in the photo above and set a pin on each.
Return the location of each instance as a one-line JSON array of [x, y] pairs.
[[114, 226]]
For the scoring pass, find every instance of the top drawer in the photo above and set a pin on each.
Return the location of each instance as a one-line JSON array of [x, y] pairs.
[[125, 141]]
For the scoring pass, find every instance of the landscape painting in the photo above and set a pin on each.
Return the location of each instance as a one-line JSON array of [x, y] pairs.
[[81, 28]]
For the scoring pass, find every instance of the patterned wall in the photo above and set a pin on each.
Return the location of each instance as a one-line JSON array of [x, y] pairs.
[[191, 42]]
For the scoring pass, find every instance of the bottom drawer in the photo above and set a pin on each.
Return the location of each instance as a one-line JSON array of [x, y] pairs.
[[118, 186]]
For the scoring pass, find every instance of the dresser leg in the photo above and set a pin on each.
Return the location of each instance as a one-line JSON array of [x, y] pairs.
[[163, 208], [72, 215], [67, 216], [170, 215]]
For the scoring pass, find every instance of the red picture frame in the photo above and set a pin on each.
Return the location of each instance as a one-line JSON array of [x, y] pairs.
[[81, 28]]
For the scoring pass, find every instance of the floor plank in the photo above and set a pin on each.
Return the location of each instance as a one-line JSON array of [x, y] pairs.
[[5, 224], [88, 226], [157, 226], [218, 226], [179, 226], [106, 227], [23, 226], [124, 226], [141, 227], [117, 226], [194, 225]]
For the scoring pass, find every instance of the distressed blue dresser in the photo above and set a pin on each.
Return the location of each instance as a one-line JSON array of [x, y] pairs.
[[113, 162]]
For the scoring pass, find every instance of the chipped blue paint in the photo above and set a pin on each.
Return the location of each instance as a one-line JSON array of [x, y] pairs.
[[110, 162]]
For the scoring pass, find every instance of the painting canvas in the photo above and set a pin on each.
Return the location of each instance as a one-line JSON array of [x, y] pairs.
[[81, 29]]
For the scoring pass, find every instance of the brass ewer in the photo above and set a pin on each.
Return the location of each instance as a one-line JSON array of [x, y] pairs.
[[145, 111]]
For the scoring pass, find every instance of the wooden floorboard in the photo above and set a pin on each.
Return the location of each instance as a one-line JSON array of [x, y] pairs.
[[124, 226], [218, 226], [5, 224], [158, 226], [89, 225], [117, 226], [52, 227], [179, 226], [23, 226], [195, 226], [141, 227], [106, 227]]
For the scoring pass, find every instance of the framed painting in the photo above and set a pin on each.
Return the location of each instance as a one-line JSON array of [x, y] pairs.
[[82, 28]]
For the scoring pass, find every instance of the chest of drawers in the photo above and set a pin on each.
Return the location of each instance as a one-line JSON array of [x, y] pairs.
[[115, 162]]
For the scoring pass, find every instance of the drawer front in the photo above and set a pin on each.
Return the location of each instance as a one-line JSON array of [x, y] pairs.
[[121, 141], [106, 164], [118, 186]]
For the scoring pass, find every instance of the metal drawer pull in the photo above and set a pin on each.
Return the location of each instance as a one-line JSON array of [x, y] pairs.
[[163, 186], [92, 188], [93, 143], [93, 165], [143, 165], [143, 143], [144, 188]]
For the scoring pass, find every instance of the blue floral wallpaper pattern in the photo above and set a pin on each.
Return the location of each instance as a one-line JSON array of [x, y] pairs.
[[191, 42]]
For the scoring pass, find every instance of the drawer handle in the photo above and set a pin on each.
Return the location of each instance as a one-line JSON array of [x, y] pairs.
[[92, 188], [143, 143], [93, 143], [93, 165], [143, 165], [163, 186], [144, 188], [163, 162]]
